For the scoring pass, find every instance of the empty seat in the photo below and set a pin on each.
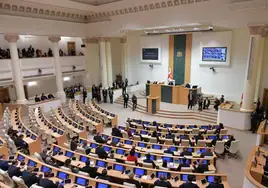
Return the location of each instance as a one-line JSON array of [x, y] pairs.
[[19, 182]]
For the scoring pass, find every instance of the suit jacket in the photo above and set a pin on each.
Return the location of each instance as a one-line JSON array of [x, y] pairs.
[[188, 185], [101, 153], [108, 178], [163, 183], [187, 153], [215, 185], [73, 146], [206, 153], [116, 132], [182, 165], [99, 139], [29, 178], [14, 171], [4, 165], [201, 168], [46, 183], [92, 171]]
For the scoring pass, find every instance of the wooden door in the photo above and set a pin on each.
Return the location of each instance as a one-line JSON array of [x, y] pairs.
[[3, 94], [265, 98], [71, 48], [26, 91]]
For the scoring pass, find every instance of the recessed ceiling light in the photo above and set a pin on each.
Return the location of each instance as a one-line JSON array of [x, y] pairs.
[[210, 27], [196, 28]]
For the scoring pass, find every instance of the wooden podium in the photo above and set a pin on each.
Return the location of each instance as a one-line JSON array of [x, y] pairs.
[[153, 104]]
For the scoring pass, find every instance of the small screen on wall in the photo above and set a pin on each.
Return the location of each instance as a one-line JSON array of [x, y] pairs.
[[214, 54], [150, 53]]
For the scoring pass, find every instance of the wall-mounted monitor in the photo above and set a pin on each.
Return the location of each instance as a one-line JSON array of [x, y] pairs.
[[214, 54], [150, 55]]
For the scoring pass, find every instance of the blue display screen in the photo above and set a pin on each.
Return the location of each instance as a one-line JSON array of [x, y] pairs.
[[81, 181], [139, 171], [32, 163], [146, 122], [210, 179], [115, 140], [153, 157], [118, 167], [137, 154], [101, 164], [82, 141], [168, 159], [212, 137], [161, 173], [93, 145], [188, 161], [56, 149], [157, 146], [214, 54], [129, 142], [54, 129], [45, 169], [20, 158], [69, 154], [28, 133], [62, 175], [105, 137], [184, 177], [107, 148], [172, 148], [168, 125], [144, 132], [33, 137], [190, 149], [83, 158], [60, 132], [142, 145], [204, 127], [225, 137], [120, 151], [102, 185], [191, 126]]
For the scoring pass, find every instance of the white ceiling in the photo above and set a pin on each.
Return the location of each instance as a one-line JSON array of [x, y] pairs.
[[96, 2]]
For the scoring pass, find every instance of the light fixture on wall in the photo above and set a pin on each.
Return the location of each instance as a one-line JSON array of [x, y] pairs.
[[151, 66], [33, 83], [66, 78], [213, 69], [39, 71], [74, 67]]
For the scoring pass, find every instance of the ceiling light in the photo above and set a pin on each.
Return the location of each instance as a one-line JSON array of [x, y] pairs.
[[196, 28], [66, 79], [33, 83], [210, 27]]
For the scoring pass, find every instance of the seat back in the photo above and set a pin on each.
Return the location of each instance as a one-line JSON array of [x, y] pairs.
[[124, 133], [130, 162], [219, 147], [210, 131], [65, 168], [7, 180], [35, 186], [153, 140], [201, 143], [195, 131], [186, 169], [38, 156], [12, 146], [147, 165], [169, 141], [234, 147], [137, 138], [223, 131], [83, 173], [19, 182], [129, 185], [184, 142]]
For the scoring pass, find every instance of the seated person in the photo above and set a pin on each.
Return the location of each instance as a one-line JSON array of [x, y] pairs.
[[199, 137], [19, 141], [201, 167], [3, 163], [131, 180], [168, 150], [44, 154], [43, 97], [99, 139], [183, 164], [162, 182], [46, 182], [185, 152], [104, 175], [169, 135], [111, 154], [228, 143], [216, 184], [222, 99], [92, 171], [189, 183], [37, 99], [50, 162], [116, 132], [218, 130], [73, 144], [13, 170], [67, 164], [164, 164], [50, 96], [214, 141], [29, 177], [129, 133], [148, 160], [206, 153], [102, 154], [131, 156], [206, 103]]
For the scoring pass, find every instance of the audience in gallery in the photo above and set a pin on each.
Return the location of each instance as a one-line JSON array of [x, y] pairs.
[[43, 97], [71, 90]]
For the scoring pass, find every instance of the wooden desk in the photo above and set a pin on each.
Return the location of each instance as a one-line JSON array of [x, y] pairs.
[[153, 104], [262, 133], [3, 147]]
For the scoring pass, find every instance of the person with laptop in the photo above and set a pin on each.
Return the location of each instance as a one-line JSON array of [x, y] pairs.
[[185, 152], [216, 184], [214, 141], [102, 154], [46, 182], [92, 171], [148, 160], [29, 177], [162, 182], [104, 175], [99, 139], [183, 164], [189, 183], [201, 167], [169, 151], [131, 180], [13, 170]]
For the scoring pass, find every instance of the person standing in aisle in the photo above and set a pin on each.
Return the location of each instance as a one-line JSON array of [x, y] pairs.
[[126, 97], [84, 96], [134, 102], [190, 100], [111, 95]]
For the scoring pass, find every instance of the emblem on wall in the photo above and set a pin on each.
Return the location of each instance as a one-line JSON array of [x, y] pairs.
[[179, 54]]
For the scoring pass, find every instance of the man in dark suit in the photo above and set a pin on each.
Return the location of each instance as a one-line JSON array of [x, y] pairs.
[[168, 150], [104, 175], [216, 184], [50, 96], [199, 137], [206, 153], [134, 102], [206, 103], [126, 97], [190, 100], [186, 152], [3, 163], [162, 182], [13, 170], [43, 97], [189, 183], [111, 95], [116, 132], [102, 154], [47, 183], [183, 164], [29, 177], [201, 167], [84, 96], [99, 139], [92, 171], [37, 99], [148, 160], [73, 144], [131, 180]]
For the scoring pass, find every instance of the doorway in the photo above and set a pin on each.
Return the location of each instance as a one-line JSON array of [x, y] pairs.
[[265, 98], [71, 48], [3, 94]]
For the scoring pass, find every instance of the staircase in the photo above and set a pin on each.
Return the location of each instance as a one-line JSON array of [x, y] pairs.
[[208, 116]]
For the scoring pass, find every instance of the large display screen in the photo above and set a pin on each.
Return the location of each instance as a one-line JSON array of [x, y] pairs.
[[214, 54], [150, 54]]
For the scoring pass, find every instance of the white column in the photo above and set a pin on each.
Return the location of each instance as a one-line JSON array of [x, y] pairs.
[[109, 62], [124, 65], [259, 70], [103, 65], [59, 79], [16, 72], [251, 72]]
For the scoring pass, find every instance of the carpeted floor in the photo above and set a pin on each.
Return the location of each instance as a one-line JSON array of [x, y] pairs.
[[234, 168]]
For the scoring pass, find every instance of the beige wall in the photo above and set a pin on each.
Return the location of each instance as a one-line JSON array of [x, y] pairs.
[[264, 74], [116, 57]]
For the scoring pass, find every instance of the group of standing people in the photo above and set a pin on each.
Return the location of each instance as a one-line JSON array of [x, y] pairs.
[[134, 101], [258, 116], [96, 93], [197, 98], [218, 102]]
